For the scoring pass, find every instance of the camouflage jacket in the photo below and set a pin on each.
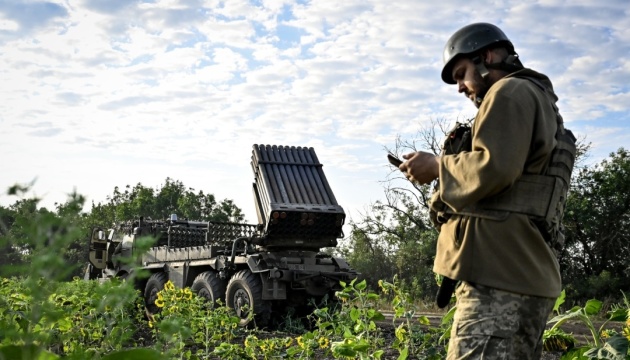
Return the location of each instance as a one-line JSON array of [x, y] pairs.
[[513, 134]]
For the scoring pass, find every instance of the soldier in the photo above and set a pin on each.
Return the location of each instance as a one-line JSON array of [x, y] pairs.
[[508, 273]]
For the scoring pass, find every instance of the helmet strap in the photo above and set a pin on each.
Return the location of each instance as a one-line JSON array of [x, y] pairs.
[[510, 64], [480, 66]]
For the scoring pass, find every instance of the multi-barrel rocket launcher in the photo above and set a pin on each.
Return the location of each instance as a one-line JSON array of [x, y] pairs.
[[296, 207], [261, 268]]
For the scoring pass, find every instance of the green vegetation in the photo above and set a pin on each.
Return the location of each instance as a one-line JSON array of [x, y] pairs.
[[595, 261], [46, 312], [395, 238], [23, 224], [91, 320], [607, 343]]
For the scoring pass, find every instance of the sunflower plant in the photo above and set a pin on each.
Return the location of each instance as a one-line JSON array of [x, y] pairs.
[[413, 335], [311, 344], [607, 343], [354, 326], [268, 347], [44, 316], [185, 320]]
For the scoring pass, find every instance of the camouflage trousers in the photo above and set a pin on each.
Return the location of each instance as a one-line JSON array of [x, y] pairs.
[[495, 324]]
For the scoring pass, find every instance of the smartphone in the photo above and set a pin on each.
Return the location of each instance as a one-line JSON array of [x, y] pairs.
[[394, 160]]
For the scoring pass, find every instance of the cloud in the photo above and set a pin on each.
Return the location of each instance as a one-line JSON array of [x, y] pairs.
[[128, 102], [30, 15], [110, 7], [46, 132], [185, 88], [70, 98]]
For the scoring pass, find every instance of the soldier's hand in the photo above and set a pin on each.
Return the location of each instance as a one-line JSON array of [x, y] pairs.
[[421, 167]]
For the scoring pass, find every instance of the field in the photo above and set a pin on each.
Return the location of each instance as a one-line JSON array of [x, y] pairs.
[[91, 320]]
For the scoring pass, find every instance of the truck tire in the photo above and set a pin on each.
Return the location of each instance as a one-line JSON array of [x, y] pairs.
[[244, 295], [155, 283], [210, 286]]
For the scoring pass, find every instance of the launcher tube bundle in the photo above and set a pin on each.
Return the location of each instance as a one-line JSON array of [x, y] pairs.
[[295, 204]]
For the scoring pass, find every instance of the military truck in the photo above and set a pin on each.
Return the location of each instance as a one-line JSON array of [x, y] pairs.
[[259, 268]]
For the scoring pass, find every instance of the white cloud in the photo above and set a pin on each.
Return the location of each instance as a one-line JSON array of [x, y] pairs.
[[8, 25], [137, 92]]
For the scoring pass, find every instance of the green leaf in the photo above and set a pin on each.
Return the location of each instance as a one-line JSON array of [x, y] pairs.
[[593, 307], [354, 314], [343, 349], [64, 324], [361, 285], [424, 320], [404, 353], [618, 343], [25, 352], [575, 354], [358, 327], [135, 354], [343, 296], [361, 346], [559, 301], [618, 315], [292, 351], [448, 317], [378, 316], [615, 348], [573, 313]]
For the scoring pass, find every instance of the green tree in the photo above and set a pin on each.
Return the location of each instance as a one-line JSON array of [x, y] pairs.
[[170, 198], [397, 239], [27, 230], [596, 258], [16, 236], [9, 253], [16, 245]]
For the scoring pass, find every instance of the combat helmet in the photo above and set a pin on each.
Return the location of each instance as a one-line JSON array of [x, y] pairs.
[[470, 40]]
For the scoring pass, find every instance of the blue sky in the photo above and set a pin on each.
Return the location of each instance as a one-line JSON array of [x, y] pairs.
[[105, 93]]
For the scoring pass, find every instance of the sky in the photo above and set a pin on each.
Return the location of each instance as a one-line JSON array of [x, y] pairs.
[[98, 94]]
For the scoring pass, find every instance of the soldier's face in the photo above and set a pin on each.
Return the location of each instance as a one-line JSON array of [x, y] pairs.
[[469, 81]]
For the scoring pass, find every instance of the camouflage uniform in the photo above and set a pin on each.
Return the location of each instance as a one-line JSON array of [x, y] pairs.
[[495, 324]]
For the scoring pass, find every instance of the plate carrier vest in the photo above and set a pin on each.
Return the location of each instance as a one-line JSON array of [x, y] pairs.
[[542, 197]]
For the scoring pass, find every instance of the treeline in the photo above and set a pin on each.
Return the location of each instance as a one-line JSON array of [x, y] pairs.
[[21, 224], [393, 238]]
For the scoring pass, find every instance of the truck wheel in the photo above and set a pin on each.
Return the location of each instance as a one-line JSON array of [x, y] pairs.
[[208, 285], [244, 295], [155, 283]]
